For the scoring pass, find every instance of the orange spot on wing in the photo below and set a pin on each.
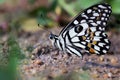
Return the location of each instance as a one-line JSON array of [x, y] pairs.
[[91, 50], [92, 34], [94, 42], [84, 38], [89, 45]]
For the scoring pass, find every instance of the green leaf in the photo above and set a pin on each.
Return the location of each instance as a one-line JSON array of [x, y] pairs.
[[54, 3], [115, 6], [14, 48], [86, 3], [68, 8], [75, 6], [2, 1], [31, 1], [42, 18]]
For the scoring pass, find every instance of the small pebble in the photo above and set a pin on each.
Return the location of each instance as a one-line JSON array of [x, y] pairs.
[[64, 71], [33, 71], [38, 62], [109, 74], [32, 57], [101, 58], [95, 74], [105, 76], [114, 60]]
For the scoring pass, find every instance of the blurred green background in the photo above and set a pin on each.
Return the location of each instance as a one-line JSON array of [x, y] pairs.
[[32, 15], [27, 14]]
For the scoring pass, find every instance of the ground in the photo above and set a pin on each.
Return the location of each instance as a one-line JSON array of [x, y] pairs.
[[45, 63]]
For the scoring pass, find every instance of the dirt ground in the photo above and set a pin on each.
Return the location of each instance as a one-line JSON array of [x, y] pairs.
[[46, 63]]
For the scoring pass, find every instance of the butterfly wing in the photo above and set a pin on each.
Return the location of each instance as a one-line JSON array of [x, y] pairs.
[[84, 37], [86, 31], [98, 13]]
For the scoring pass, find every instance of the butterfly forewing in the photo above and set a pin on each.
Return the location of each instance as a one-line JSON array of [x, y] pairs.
[[97, 14]]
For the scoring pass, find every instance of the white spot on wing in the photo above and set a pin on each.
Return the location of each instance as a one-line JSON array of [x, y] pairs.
[[83, 13], [101, 6], [79, 45], [97, 52], [95, 14], [85, 16], [103, 28], [104, 23], [109, 11], [72, 33], [75, 22], [101, 44], [104, 14], [75, 39], [106, 19], [100, 28], [90, 20], [89, 11], [96, 47], [67, 40], [87, 40], [106, 10], [104, 51], [98, 22], [84, 25], [103, 34], [92, 17], [94, 24], [108, 15], [74, 50], [93, 29], [109, 7], [83, 42], [102, 18], [99, 10], [69, 51], [83, 21], [106, 40], [96, 38], [107, 47], [97, 33]]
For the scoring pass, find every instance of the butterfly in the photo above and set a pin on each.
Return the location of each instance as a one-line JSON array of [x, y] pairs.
[[86, 32]]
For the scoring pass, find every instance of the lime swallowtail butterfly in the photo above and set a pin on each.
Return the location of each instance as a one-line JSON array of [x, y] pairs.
[[86, 32]]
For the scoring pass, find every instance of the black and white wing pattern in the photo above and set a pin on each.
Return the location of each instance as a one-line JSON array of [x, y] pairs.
[[86, 32], [98, 14]]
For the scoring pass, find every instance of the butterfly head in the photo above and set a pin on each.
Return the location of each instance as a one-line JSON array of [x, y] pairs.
[[53, 38]]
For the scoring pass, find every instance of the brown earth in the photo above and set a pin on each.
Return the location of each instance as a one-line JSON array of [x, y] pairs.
[[46, 63]]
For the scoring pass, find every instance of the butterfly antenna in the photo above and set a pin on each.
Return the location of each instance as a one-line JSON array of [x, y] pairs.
[[42, 28]]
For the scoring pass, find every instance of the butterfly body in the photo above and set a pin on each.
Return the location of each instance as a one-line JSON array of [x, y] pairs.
[[86, 32]]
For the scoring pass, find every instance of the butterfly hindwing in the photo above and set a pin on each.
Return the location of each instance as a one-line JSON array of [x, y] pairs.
[[84, 37]]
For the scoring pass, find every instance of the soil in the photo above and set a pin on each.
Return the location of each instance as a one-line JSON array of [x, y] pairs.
[[44, 62]]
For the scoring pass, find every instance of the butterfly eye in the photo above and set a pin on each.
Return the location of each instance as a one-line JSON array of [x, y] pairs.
[[78, 29], [51, 36]]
